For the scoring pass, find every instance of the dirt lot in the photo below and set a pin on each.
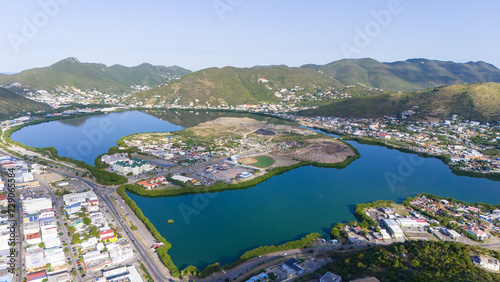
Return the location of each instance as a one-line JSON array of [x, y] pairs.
[[50, 177], [244, 127], [324, 151]]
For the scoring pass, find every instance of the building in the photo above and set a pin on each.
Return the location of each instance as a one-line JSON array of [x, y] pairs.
[[59, 277], [153, 182], [95, 260], [37, 204], [450, 232], [476, 232], [412, 222], [125, 273], [35, 261], [393, 228], [387, 210], [107, 235], [31, 227], [46, 213], [37, 276], [50, 243], [56, 258], [292, 267], [330, 277], [119, 254], [134, 166], [111, 159], [74, 208], [84, 199], [3, 199], [245, 175], [181, 178], [29, 184], [34, 238], [258, 278], [486, 262]]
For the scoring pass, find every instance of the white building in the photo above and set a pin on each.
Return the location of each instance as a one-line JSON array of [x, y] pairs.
[[412, 222], [125, 273], [35, 261], [4, 242], [119, 254], [135, 166], [52, 243], [27, 177], [56, 257], [46, 213], [111, 159], [393, 227], [35, 205], [84, 198], [31, 227]]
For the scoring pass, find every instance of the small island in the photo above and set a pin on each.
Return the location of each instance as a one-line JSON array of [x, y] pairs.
[[221, 154]]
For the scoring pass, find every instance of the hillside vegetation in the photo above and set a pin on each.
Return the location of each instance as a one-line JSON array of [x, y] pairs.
[[12, 104], [410, 75], [480, 102], [71, 73], [234, 86]]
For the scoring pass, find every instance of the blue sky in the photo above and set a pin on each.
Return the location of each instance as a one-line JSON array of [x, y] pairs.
[[198, 34]]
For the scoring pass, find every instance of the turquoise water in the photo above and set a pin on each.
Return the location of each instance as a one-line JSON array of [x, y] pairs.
[[222, 226], [85, 138]]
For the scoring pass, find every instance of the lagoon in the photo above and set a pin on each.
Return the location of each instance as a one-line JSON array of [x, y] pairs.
[[220, 227]]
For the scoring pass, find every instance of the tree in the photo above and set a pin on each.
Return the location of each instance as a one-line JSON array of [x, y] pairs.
[[71, 229], [133, 227], [86, 221], [41, 245]]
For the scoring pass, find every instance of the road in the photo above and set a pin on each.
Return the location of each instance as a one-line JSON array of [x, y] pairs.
[[64, 231]]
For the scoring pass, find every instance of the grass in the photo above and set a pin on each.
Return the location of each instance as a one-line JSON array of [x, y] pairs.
[[263, 162]]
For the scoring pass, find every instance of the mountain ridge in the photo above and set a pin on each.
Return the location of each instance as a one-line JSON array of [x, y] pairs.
[[12, 104], [479, 102], [71, 73]]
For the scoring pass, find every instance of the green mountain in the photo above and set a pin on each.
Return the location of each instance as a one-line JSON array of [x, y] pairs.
[[234, 86], [12, 104], [71, 73], [479, 102], [410, 75]]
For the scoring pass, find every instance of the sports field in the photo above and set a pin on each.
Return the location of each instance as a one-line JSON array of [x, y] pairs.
[[260, 162], [263, 162]]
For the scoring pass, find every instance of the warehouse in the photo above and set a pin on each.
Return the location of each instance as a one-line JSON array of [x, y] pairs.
[[393, 228], [412, 222]]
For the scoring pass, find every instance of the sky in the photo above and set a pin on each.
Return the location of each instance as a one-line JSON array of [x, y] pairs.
[[197, 34]]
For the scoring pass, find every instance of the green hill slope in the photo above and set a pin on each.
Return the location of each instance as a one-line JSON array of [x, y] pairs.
[[12, 104], [70, 73], [480, 102], [410, 75], [234, 86]]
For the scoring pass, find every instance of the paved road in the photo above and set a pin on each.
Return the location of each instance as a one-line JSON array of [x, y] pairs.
[[65, 233]]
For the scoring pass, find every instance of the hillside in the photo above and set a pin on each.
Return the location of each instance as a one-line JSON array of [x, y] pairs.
[[12, 104], [410, 75], [480, 102], [70, 73], [234, 86]]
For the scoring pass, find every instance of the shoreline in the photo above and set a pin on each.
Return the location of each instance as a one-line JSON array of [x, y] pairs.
[[445, 159]]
